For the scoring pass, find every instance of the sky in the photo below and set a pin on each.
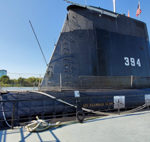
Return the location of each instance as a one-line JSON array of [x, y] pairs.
[[19, 51]]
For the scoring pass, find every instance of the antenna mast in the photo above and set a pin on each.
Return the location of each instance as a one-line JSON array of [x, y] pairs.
[[38, 43], [114, 5]]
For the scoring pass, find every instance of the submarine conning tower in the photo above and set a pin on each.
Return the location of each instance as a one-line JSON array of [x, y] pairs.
[[99, 49]]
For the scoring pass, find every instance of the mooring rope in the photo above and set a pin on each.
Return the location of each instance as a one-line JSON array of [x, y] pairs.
[[89, 110], [4, 116], [69, 104], [39, 125], [64, 102]]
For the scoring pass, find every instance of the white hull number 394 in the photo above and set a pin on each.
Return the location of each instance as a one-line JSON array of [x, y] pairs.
[[132, 62]]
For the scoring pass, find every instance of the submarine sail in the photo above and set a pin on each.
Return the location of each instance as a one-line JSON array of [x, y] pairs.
[[99, 49]]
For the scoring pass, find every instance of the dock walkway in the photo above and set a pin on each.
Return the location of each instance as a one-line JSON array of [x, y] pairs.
[[120, 128]]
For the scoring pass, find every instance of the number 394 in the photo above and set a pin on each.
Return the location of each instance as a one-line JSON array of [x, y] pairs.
[[132, 62]]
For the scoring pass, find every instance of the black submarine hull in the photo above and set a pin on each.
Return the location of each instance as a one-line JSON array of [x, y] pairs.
[[28, 104], [99, 49]]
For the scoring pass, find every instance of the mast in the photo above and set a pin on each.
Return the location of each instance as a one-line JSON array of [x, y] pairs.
[[38, 43], [114, 5]]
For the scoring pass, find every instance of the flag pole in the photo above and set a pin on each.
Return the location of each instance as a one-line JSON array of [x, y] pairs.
[[114, 5], [139, 7]]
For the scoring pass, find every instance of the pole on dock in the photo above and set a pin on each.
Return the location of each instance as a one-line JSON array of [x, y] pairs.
[[13, 115]]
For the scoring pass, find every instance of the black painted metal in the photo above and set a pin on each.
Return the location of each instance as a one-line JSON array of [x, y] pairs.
[[28, 104], [93, 43]]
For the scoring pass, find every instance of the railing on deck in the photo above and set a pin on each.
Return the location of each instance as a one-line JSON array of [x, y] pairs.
[[66, 113], [14, 119]]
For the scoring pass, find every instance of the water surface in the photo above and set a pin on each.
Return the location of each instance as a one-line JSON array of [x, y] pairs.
[[19, 88]]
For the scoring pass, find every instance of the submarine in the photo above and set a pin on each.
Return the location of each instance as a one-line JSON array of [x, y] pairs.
[[101, 58]]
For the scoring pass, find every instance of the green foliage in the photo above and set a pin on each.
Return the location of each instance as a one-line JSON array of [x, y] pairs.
[[5, 81]]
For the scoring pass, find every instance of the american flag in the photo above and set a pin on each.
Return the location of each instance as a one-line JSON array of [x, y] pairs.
[[128, 13], [138, 12]]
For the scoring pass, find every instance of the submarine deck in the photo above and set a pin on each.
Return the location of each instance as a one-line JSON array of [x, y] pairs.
[[130, 127]]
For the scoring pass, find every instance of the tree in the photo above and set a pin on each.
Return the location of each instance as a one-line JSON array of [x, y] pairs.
[[32, 81], [25, 82], [5, 79], [21, 81]]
